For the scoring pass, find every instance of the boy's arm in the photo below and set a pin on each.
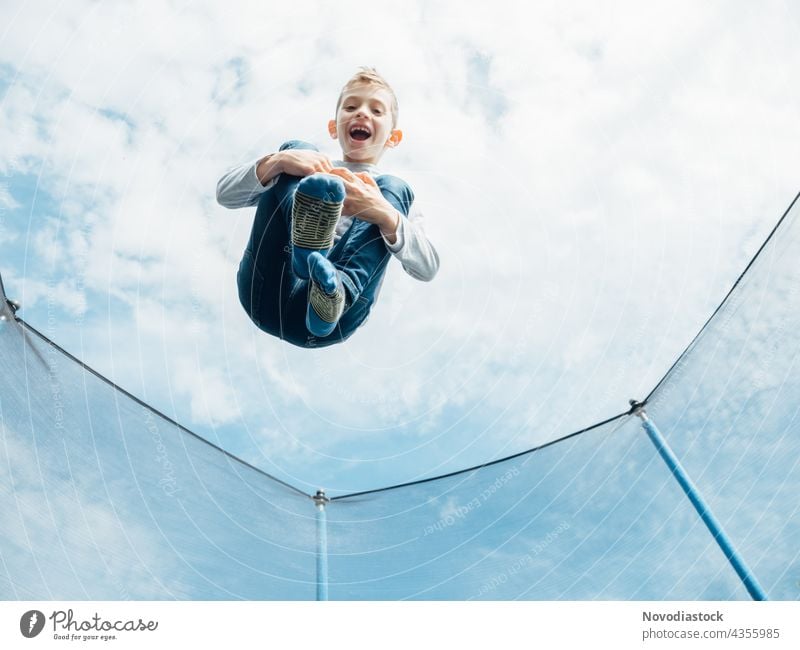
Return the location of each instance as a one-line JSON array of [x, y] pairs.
[[242, 186], [404, 238], [412, 247]]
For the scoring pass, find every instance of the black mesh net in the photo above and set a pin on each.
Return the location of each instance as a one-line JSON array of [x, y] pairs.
[[101, 497]]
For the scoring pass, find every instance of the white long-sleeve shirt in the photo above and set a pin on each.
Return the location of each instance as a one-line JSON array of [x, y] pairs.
[[240, 188]]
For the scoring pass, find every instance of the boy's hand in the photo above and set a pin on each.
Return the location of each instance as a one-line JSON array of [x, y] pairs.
[[364, 201], [296, 162], [302, 162]]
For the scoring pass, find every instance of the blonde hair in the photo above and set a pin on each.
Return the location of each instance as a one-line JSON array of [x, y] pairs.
[[368, 75]]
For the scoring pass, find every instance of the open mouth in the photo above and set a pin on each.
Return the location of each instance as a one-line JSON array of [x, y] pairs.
[[360, 133]]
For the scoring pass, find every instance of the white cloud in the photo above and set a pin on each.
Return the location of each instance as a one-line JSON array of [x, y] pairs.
[[6, 200]]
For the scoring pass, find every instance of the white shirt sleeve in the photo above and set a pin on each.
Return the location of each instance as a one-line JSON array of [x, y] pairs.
[[413, 248], [240, 187]]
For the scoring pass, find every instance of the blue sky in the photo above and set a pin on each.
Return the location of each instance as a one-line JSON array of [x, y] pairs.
[[594, 179]]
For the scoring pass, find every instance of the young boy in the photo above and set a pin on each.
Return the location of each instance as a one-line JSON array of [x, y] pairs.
[[324, 231]]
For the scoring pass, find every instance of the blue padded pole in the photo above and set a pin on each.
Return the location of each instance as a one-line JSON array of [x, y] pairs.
[[713, 524], [322, 545]]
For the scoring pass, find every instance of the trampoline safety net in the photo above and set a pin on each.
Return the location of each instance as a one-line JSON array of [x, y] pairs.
[[103, 498]]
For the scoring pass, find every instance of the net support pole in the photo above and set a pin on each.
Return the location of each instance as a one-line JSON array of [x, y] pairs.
[[691, 491], [320, 500]]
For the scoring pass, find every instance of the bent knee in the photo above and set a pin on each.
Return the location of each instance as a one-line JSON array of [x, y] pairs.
[[397, 187], [297, 144]]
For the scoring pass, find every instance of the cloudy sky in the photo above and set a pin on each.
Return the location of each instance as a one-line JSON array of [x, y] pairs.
[[594, 178]]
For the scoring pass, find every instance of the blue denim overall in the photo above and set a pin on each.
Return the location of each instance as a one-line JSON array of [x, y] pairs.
[[276, 299]]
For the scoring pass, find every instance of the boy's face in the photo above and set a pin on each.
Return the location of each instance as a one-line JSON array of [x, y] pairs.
[[363, 124]]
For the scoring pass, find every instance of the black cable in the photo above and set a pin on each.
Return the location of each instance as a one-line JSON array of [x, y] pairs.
[[156, 411], [273, 478], [482, 465], [724, 300], [634, 405]]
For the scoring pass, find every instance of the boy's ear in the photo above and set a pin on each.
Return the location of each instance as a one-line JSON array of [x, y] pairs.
[[332, 128], [394, 138]]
